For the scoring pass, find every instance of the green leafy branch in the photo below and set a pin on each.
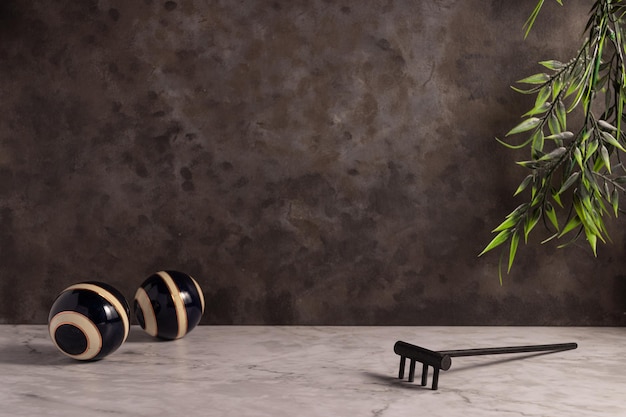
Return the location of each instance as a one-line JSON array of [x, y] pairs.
[[533, 16], [576, 174]]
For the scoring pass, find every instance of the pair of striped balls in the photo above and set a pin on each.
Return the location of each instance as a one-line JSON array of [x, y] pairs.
[[91, 320]]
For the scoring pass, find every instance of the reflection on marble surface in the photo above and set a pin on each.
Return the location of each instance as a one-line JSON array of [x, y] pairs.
[[315, 371]]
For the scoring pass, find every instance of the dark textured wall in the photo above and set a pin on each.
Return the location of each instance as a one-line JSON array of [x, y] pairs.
[[311, 162]]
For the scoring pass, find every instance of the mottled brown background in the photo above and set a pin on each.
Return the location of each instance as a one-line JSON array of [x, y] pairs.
[[309, 162]]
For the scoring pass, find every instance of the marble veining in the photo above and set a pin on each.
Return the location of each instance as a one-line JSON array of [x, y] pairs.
[[315, 371]]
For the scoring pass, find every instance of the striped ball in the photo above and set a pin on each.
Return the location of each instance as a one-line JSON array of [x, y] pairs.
[[89, 320], [169, 304]]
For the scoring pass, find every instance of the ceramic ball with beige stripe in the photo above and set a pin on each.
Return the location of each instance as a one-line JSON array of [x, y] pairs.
[[89, 320], [169, 304]]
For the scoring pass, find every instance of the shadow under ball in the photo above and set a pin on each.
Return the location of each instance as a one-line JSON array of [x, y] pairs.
[[89, 320], [169, 304]]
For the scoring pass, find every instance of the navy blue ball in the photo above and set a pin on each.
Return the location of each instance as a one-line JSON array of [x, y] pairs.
[[169, 304], [89, 320]]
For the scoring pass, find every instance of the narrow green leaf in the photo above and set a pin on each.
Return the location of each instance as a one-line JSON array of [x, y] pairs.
[[598, 165], [557, 153], [519, 210], [551, 214], [610, 139], [605, 232], [601, 208], [538, 142], [564, 245], [620, 104], [560, 136], [606, 159], [540, 78], [569, 182], [607, 126], [585, 200], [524, 184], [500, 238], [500, 267], [578, 97], [530, 164], [525, 126], [592, 238], [553, 124], [557, 87], [531, 19], [585, 216], [573, 87], [530, 91], [543, 96], [607, 192], [538, 109], [531, 222], [592, 147], [579, 157], [550, 238], [513, 249], [552, 64], [506, 224], [520, 146], [557, 198], [561, 114], [571, 225], [615, 201]]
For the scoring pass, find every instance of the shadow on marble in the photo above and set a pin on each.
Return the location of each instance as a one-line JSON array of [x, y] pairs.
[[37, 355], [394, 381], [41, 351], [139, 336]]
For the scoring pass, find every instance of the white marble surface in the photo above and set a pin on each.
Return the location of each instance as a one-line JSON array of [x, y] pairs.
[[315, 371]]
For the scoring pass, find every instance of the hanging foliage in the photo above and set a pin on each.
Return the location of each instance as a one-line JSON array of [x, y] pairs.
[[574, 135]]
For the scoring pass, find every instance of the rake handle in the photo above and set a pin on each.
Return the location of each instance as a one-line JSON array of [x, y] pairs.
[[509, 349]]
